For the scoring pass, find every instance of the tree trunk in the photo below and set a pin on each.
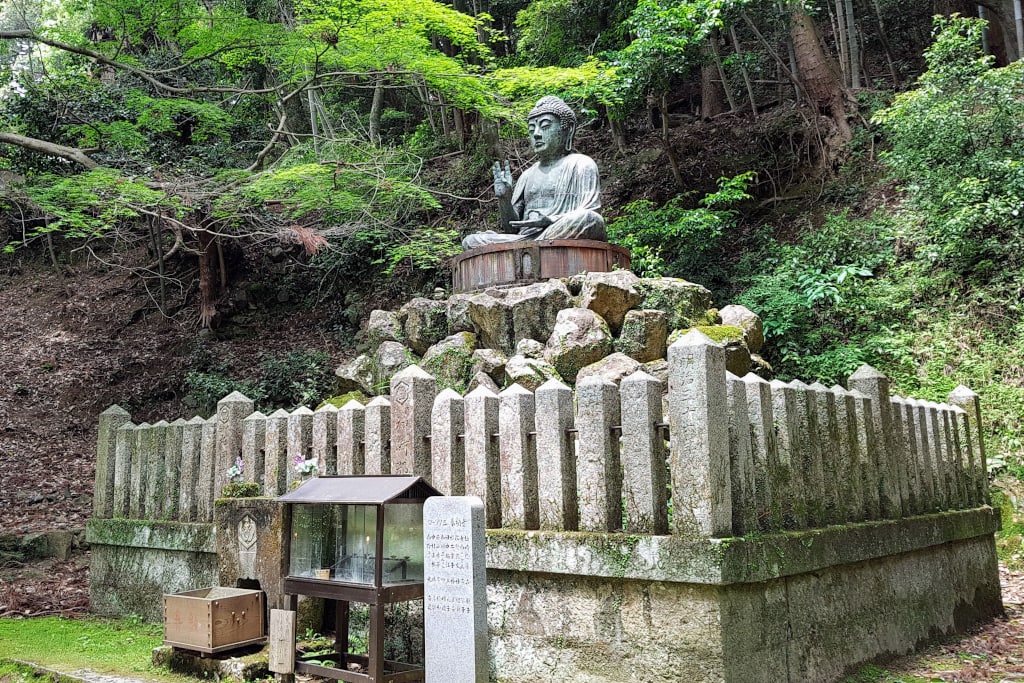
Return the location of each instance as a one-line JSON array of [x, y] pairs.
[[883, 36], [618, 134], [743, 70], [817, 71], [710, 88], [207, 284], [852, 44], [673, 160], [839, 29], [376, 109]]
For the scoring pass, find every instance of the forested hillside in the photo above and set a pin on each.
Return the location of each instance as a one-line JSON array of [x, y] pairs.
[[243, 180]]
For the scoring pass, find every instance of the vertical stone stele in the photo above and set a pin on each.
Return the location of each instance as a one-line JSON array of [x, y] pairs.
[[455, 590], [699, 457]]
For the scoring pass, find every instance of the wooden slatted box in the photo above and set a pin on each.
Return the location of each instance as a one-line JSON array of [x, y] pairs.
[[212, 620]]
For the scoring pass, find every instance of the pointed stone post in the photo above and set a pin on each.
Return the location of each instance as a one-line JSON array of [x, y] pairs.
[[205, 491], [744, 497], [598, 463], [808, 459], [828, 450], [891, 472], [787, 478], [868, 457], [483, 473], [930, 489], [699, 428], [172, 468], [325, 438], [448, 418], [254, 447], [850, 480], [124, 450], [556, 457], [350, 428], [412, 399], [111, 419], [191, 458], [963, 397], [231, 410], [377, 445], [904, 432], [140, 470], [764, 452], [644, 476], [155, 443], [300, 441], [275, 458], [518, 455]]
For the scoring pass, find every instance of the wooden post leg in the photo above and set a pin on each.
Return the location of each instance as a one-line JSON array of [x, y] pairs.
[[341, 632], [376, 643]]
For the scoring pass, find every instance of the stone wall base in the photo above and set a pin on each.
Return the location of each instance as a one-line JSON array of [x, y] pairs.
[[806, 627]]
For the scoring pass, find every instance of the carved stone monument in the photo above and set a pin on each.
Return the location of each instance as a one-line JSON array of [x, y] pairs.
[[455, 590]]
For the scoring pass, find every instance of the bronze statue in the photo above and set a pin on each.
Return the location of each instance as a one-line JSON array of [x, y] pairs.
[[556, 198]]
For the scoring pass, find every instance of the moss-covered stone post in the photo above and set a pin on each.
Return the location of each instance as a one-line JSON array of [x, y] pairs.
[[969, 401], [154, 442], [828, 440], [124, 451], [849, 478], [482, 464], [889, 463], [598, 464], [172, 468], [207, 477], [275, 457], [867, 457], [412, 399], [448, 417], [191, 458], [110, 421], [349, 451], [807, 458], [254, 447], [300, 442], [744, 496], [325, 438], [231, 410], [903, 425], [699, 429], [644, 479], [787, 480], [764, 452], [378, 436], [925, 457], [517, 454]]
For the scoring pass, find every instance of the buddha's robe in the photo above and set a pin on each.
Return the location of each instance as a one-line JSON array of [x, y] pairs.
[[569, 194]]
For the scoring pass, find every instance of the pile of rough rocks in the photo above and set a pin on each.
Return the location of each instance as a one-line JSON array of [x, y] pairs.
[[607, 324]]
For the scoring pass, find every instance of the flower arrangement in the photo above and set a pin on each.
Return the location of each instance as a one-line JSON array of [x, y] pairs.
[[235, 471], [304, 466]]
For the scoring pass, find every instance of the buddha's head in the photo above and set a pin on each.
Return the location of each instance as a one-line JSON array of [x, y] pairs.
[[552, 126]]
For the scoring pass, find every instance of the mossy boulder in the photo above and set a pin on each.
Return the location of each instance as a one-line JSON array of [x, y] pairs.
[[684, 303], [644, 334], [611, 295], [737, 357], [383, 326], [424, 322], [748, 321], [451, 360], [580, 337], [505, 316], [529, 373], [613, 368], [356, 375]]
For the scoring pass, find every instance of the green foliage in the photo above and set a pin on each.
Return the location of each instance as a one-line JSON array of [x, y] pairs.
[[241, 489], [298, 378], [674, 240], [566, 32], [957, 143], [91, 204]]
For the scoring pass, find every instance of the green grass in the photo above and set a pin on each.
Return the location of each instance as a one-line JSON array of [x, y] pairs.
[[121, 647]]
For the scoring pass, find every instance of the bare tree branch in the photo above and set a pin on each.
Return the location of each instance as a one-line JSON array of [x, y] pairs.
[[51, 148]]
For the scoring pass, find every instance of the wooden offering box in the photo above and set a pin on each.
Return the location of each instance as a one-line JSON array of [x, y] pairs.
[[212, 620], [520, 263]]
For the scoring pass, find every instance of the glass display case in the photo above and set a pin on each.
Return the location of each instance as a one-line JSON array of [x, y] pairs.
[[357, 539], [338, 543]]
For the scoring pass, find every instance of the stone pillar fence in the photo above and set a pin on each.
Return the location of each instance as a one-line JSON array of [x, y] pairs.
[[711, 455]]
